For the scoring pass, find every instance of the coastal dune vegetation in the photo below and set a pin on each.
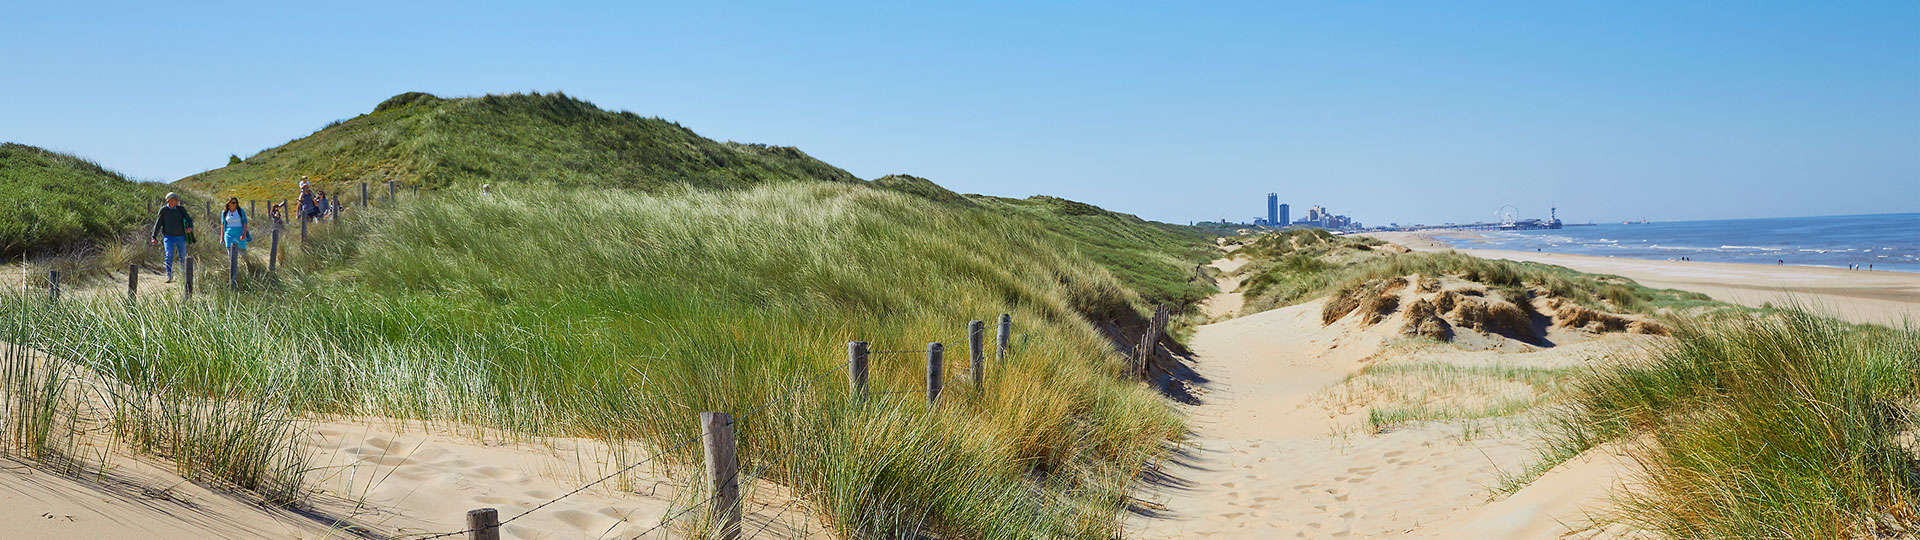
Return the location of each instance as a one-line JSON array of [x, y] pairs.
[[618, 314], [1741, 423], [69, 214]]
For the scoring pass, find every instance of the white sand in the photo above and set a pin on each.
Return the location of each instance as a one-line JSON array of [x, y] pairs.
[[1273, 456]]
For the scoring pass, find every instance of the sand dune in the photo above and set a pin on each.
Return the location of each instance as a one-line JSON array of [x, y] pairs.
[[1890, 298], [1278, 451]]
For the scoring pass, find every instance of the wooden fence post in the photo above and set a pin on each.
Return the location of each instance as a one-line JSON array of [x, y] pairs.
[[934, 351], [723, 472], [186, 290], [209, 208], [976, 352], [483, 524], [53, 285], [251, 203], [857, 369], [273, 250], [233, 267], [133, 281], [1006, 335], [363, 195], [303, 231], [1143, 354], [389, 193]]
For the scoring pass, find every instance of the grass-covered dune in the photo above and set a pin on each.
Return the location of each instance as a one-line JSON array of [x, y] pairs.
[[619, 314], [534, 139], [59, 202], [1777, 425], [1298, 265], [422, 140], [1742, 423]]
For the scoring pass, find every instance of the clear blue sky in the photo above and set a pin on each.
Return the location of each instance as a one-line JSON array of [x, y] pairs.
[[1388, 111]]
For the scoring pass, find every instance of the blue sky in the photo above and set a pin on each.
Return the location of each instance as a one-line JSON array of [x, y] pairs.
[[1388, 111]]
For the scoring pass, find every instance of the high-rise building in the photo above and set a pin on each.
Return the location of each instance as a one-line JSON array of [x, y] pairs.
[[1283, 221], [1273, 208]]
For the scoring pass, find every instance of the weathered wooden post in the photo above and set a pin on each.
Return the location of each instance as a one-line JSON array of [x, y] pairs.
[[1005, 335], [303, 230], [233, 267], [186, 290], [251, 204], [133, 281], [53, 285], [363, 195], [723, 472], [389, 193], [483, 524], [857, 369], [209, 208], [976, 352], [934, 351], [1150, 341], [273, 250]]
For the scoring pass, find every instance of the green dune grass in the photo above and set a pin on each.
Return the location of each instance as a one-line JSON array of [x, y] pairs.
[[1779, 425], [619, 315], [58, 202], [417, 139]]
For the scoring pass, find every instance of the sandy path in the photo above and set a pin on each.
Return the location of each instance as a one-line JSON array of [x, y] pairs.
[[1858, 296], [1267, 462], [1226, 304], [1275, 453]]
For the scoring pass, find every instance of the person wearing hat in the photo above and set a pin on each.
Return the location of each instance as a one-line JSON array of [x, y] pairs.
[[309, 207], [172, 225]]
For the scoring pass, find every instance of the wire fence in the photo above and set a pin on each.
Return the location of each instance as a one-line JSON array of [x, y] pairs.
[[723, 502]]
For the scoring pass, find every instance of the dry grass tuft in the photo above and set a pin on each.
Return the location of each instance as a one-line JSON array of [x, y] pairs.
[[1493, 316], [1423, 320]]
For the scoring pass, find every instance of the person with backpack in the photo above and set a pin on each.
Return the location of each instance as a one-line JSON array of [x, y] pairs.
[[309, 207], [172, 226], [235, 220]]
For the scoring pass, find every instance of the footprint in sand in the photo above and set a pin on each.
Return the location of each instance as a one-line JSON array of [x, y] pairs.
[[497, 473]]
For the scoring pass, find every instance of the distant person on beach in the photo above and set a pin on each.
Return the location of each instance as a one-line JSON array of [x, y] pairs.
[[235, 220], [170, 229], [1780, 261]]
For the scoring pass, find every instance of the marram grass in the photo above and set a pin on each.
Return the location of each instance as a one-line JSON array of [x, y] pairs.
[[612, 314]]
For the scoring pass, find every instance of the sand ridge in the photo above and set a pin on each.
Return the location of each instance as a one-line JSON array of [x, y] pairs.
[[1877, 297]]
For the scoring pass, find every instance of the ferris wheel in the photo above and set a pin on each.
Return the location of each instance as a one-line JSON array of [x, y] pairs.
[[1507, 215]]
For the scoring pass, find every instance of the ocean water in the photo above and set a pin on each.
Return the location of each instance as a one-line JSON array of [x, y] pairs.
[[1886, 241]]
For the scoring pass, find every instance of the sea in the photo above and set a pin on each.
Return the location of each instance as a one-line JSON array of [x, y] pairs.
[[1885, 241]]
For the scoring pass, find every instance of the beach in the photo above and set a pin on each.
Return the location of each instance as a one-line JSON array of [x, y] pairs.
[[1872, 297]]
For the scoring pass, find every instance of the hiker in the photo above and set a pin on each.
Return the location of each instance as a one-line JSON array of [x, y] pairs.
[[235, 221], [173, 225], [486, 190], [277, 212], [321, 203], [308, 207]]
